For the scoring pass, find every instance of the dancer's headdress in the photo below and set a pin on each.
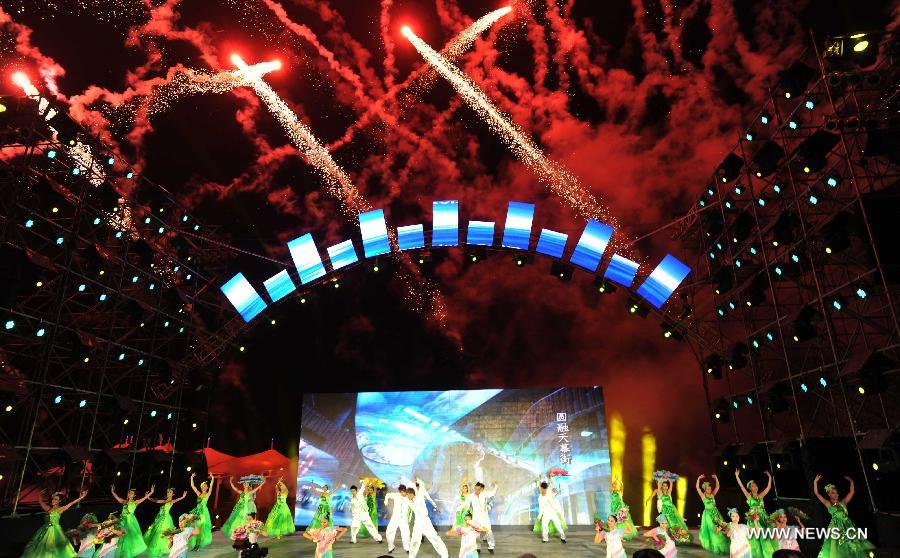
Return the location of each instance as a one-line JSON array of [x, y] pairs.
[[661, 517], [750, 482], [829, 487], [731, 511], [705, 485]]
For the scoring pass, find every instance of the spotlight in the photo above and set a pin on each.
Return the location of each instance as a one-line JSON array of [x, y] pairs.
[[766, 160], [775, 400], [562, 271], [836, 233], [637, 308], [9, 324], [859, 49], [805, 324], [58, 399], [523, 259], [713, 366], [812, 153], [814, 197], [730, 168], [738, 356], [603, 286], [793, 81], [838, 302], [82, 404], [870, 368], [669, 331], [721, 411], [862, 293]]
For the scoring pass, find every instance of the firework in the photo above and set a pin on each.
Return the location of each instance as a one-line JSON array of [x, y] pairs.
[[337, 181], [560, 181], [79, 152], [194, 82]]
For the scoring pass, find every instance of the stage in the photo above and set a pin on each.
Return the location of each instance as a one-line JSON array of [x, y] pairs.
[[512, 542]]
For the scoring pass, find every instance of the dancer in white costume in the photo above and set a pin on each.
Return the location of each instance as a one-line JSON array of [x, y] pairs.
[[549, 511], [739, 535], [359, 511], [785, 535], [478, 503], [422, 526], [613, 537], [660, 536], [400, 506]]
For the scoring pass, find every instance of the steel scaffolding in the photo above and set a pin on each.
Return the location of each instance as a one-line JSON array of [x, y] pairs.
[[109, 316]]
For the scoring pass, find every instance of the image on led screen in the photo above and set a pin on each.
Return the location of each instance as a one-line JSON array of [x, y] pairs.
[[447, 438]]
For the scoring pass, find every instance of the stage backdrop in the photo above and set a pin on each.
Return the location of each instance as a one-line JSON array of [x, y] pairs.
[[446, 438]]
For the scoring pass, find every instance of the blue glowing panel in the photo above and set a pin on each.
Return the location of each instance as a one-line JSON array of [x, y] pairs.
[[342, 254], [621, 270], [410, 237], [279, 285], [306, 258], [478, 435], [374, 233], [445, 223], [663, 281], [481, 233], [591, 245], [517, 233], [551, 243], [244, 297]]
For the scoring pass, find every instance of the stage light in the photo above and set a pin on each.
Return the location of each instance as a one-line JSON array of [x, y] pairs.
[[10, 324], [125, 422], [121, 356], [86, 360], [617, 437], [730, 167], [735, 403], [29, 223], [810, 104], [838, 303], [761, 201], [153, 413], [775, 400], [860, 46], [748, 136], [147, 221], [81, 288], [738, 356], [776, 188], [96, 220], [111, 161], [832, 181], [794, 80], [823, 382], [82, 404], [76, 171], [648, 467], [241, 349], [812, 153], [722, 411], [562, 271], [770, 336], [40, 332], [764, 119], [861, 293], [713, 366], [861, 390], [193, 425], [140, 362], [8, 409], [847, 51], [102, 297], [272, 322], [710, 192], [60, 240], [755, 343], [804, 388], [792, 124], [636, 308], [129, 175], [749, 400], [169, 416], [874, 468], [58, 399], [813, 198]]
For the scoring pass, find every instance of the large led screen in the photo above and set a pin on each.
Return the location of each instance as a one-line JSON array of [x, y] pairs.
[[447, 438]]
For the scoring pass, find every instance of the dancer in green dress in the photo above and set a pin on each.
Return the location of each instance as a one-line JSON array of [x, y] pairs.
[[245, 504], [50, 541], [616, 505], [757, 518], [132, 543], [461, 507], [843, 546], [158, 543], [666, 506], [712, 539], [280, 521], [201, 510], [324, 509], [372, 504]]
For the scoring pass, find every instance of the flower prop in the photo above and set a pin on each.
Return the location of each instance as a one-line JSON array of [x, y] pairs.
[[794, 512], [557, 472], [753, 515], [680, 535], [252, 479], [664, 475], [599, 523], [622, 514], [373, 482]]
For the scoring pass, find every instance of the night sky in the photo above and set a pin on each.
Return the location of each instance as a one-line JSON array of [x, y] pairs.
[[640, 99]]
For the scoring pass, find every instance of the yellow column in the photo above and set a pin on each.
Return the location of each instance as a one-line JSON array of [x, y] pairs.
[[648, 461]]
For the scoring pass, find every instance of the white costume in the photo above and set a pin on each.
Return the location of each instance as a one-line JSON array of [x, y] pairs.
[[668, 549], [787, 538], [86, 547], [359, 510], [614, 547], [422, 526], [400, 505], [740, 541], [478, 504], [179, 547], [549, 511], [108, 550]]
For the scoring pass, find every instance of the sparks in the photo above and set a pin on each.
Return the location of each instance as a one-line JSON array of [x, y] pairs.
[[195, 82], [560, 181]]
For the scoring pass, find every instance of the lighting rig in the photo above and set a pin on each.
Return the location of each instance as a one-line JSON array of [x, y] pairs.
[[797, 260], [108, 324]]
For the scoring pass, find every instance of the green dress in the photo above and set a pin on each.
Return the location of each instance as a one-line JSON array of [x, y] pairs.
[[674, 518], [713, 541], [324, 510], [204, 538], [238, 515], [131, 543], [461, 510], [50, 541], [843, 546], [616, 503], [372, 503], [280, 521], [158, 543], [760, 547]]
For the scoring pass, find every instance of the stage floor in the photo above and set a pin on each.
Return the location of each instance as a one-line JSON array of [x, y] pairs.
[[510, 544]]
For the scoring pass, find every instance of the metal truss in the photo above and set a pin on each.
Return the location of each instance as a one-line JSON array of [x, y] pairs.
[[109, 316], [789, 270]]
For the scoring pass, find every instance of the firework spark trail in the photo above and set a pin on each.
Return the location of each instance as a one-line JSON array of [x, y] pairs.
[[452, 50], [420, 292], [560, 181], [337, 181], [390, 69], [196, 82]]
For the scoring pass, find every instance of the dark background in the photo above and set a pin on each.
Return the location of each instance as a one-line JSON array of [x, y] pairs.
[[639, 99]]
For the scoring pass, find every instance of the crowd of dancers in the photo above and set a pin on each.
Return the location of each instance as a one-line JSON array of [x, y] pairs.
[[762, 533]]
